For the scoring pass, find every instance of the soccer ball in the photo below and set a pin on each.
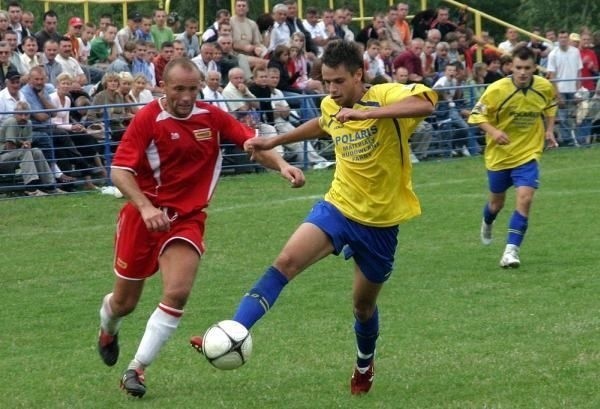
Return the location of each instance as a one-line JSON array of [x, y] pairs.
[[227, 345]]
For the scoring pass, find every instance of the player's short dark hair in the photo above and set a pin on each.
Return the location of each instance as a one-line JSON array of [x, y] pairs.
[[346, 53], [523, 52]]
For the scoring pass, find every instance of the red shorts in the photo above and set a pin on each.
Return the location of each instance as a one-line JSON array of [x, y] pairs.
[[137, 250]]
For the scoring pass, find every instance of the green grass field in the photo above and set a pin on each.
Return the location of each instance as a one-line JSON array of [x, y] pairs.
[[457, 331]]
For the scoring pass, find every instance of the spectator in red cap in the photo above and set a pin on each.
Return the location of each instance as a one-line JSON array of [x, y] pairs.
[[73, 34]]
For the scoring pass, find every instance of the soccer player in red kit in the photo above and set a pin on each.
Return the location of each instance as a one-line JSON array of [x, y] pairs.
[[167, 165]]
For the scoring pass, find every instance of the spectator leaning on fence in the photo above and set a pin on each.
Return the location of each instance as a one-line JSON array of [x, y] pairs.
[[15, 146]]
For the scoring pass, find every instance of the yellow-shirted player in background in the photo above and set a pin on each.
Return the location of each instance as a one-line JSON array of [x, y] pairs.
[[370, 195], [517, 114]]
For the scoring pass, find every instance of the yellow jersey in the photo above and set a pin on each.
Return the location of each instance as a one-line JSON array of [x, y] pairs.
[[372, 183], [519, 112]]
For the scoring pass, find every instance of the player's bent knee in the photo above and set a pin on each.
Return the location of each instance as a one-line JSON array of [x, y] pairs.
[[364, 311]]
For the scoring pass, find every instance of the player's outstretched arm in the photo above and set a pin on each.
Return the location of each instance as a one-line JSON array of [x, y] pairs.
[[411, 107], [306, 131], [272, 160]]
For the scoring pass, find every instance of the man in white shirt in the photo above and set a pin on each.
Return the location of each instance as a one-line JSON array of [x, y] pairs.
[[10, 95], [69, 64], [30, 57], [317, 31], [204, 61], [564, 66], [512, 39], [280, 34], [127, 33], [211, 92]]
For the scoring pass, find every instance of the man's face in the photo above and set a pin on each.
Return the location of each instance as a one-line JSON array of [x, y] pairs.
[[21, 117], [30, 47], [110, 34], [104, 22], [146, 25], [402, 75], [416, 47], [226, 44], [392, 16], [15, 13], [373, 50], [450, 72], [191, 29], [273, 79], [522, 71], [181, 89], [241, 8], [378, 23], [402, 11], [236, 77], [178, 50], [13, 86], [225, 30], [341, 84], [586, 41], [213, 80], [37, 80], [160, 17], [280, 15], [328, 17], [261, 78], [11, 38], [51, 50], [224, 18], [207, 52], [443, 15], [340, 17], [87, 34], [5, 54], [429, 48], [27, 21], [167, 53], [65, 49], [50, 24], [511, 34], [75, 30], [563, 40], [312, 19], [140, 51], [292, 10]]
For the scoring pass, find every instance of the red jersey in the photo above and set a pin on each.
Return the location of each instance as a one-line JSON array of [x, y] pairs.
[[177, 161]]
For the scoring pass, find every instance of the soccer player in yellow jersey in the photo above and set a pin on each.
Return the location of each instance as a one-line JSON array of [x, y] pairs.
[[370, 195], [517, 114]]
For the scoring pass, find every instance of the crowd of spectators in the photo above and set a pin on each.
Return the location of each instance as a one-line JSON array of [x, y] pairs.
[[265, 72]]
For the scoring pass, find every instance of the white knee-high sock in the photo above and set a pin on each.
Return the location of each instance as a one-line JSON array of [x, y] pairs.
[[162, 323], [108, 322]]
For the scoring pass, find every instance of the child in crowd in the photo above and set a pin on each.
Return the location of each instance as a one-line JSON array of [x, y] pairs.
[[385, 53], [373, 64]]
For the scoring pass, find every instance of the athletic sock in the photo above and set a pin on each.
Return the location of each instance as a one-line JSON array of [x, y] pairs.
[[488, 216], [366, 338], [517, 227], [161, 325], [260, 298], [108, 322]]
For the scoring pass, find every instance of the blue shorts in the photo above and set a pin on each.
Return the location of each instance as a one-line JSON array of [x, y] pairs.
[[525, 175], [372, 248]]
